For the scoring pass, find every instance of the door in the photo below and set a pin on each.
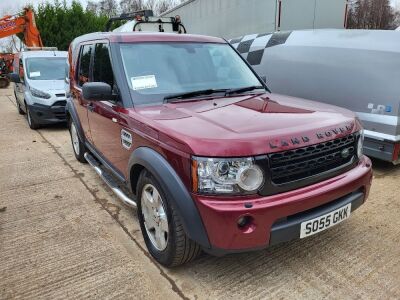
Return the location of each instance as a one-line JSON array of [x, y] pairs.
[[20, 87], [82, 76], [104, 117]]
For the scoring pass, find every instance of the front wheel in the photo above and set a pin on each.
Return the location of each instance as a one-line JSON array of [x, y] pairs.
[[31, 122], [19, 108], [77, 145], [161, 227]]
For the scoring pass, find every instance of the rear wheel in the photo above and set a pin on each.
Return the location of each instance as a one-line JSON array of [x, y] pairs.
[[161, 226], [77, 145]]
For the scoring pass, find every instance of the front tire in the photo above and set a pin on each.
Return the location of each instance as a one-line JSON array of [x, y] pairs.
[[161, 226], [20, 111], [31, 122], [77, 146]]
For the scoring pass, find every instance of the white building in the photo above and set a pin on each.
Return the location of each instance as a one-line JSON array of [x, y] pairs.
[[233, 18]]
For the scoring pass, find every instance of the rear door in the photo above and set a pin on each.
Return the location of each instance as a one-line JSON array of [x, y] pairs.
[[104, 116], [82, 76]]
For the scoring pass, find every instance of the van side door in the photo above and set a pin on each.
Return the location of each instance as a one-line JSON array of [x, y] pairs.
[[20, 87], [82, 75]]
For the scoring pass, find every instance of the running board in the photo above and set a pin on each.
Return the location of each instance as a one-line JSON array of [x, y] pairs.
[[109, 181]]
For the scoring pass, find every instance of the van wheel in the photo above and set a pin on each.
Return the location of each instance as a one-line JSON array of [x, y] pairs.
[[161, 227], [77, 146], [31, 122], [20, 111]]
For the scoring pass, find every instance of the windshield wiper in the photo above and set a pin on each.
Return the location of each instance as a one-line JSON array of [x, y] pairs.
[[243, 89], [175, 97]]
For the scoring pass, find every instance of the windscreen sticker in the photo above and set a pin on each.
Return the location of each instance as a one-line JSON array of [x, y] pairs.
[[34, 74], [144, 82]]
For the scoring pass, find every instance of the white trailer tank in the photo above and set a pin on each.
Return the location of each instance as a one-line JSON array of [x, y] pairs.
[[355, 69]]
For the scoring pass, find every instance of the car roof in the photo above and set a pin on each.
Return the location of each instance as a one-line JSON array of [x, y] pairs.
[[44, 53], [132, 37]]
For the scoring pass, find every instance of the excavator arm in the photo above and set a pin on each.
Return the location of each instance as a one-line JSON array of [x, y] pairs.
[[22, 23]]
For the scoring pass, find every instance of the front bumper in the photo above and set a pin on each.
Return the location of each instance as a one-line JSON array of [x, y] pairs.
[[45, 114], [277, 218]]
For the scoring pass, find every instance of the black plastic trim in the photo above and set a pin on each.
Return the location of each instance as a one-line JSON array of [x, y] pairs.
[[49, 114], [176, 191], [71, 110]]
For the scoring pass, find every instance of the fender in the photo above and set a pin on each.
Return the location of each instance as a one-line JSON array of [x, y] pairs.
[[177, 194], [70, 110]]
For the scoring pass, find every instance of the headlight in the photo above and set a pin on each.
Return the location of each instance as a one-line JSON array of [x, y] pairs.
[[360, 144], [39, 94], [226, 176]]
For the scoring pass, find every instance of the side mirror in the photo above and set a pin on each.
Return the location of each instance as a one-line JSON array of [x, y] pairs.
[[97, 91], [14, 77]]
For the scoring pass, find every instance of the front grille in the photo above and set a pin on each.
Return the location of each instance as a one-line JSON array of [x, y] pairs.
[[301, 163]]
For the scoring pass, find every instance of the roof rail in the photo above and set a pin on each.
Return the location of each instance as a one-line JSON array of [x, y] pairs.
[[40, 49]]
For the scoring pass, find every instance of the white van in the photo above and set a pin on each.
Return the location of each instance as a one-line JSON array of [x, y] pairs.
[[39, 86]]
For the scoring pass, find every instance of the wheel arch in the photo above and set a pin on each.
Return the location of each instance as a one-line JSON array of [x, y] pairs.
[[71, 114], [179, 197]]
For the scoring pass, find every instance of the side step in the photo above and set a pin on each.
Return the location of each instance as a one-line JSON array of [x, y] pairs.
[[109, 181]]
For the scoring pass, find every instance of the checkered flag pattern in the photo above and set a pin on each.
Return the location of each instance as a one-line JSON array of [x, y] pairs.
[[252, 46]]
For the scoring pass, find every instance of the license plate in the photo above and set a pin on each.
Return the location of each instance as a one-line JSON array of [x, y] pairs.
[[321, 223]]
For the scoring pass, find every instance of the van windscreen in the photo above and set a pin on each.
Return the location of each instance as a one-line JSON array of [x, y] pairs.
[[46, 68]]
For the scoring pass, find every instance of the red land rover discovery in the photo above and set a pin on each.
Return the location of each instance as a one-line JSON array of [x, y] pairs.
[[182, 127]]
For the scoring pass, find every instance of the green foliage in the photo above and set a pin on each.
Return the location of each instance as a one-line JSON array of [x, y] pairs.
[[59, 23]]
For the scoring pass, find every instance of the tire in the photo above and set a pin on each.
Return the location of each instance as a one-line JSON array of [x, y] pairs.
[[178, 249], [20, 111], [31, 122], [4, 82], [78, 147]]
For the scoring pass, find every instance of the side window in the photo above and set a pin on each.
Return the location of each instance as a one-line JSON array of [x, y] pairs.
[[84, 64], [102, 69], [21, 69]]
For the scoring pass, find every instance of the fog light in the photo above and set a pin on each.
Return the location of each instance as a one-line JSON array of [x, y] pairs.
[[244, 221]]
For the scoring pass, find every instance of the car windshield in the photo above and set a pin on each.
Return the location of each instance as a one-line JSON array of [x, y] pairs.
[[46, 68], [158, 70]]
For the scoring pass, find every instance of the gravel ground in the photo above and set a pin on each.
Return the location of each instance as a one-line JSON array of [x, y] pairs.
[[63, 234]]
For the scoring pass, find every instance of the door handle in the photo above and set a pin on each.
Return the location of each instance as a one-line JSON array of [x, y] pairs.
[[90, 107]]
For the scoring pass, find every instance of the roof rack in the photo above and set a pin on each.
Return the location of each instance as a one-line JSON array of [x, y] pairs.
[[40, 49], [147, 16]]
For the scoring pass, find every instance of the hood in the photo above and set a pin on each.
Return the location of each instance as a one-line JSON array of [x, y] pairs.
[[247, 125], [47, 85]]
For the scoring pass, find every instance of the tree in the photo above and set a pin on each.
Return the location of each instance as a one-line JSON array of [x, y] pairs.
[[59, 23], [158, 6], [371, 14]]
